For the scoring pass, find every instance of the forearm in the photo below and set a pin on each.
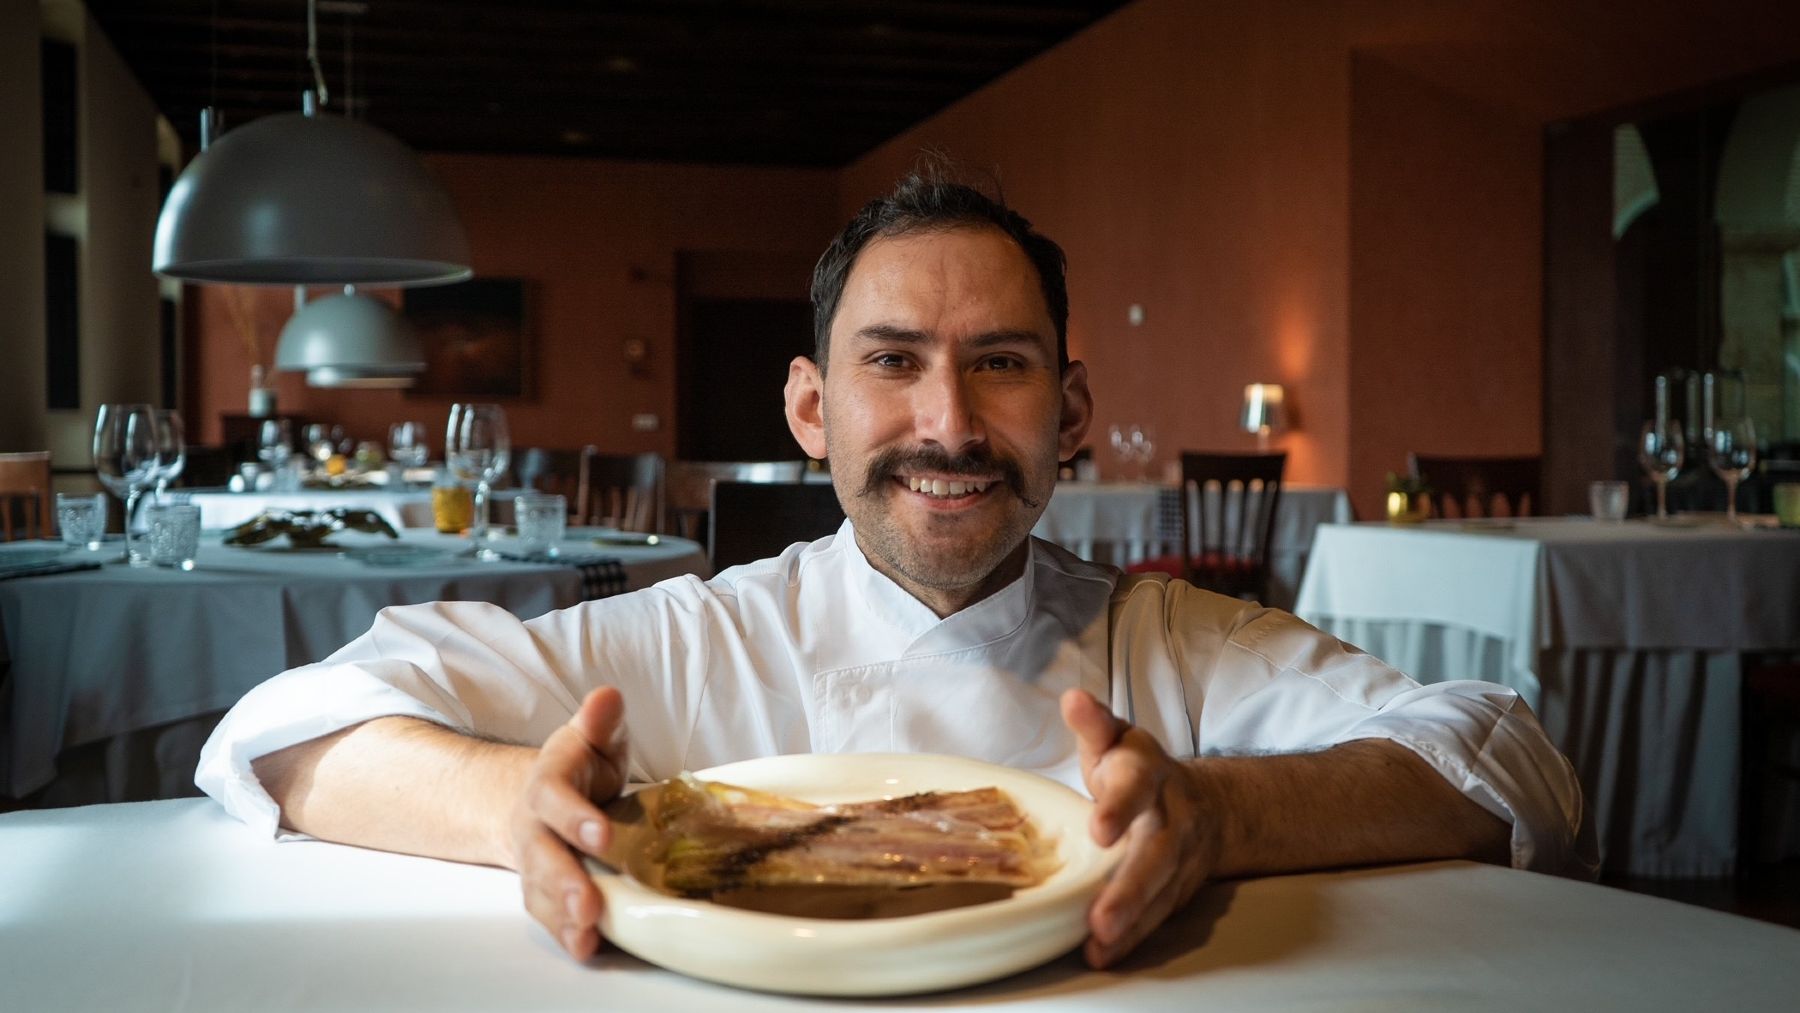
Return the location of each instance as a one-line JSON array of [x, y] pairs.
[[1359, 803], [401, 784]]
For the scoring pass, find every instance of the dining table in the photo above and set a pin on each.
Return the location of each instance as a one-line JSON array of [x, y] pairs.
[[175, 905], [1628, 639], [1123, 522], [405, 506], [115, 674]]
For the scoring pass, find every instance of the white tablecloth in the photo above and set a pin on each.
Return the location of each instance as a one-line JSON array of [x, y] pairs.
[[1127, 522], [403, 508], [99, 654], [173, 905], [1626, 639]]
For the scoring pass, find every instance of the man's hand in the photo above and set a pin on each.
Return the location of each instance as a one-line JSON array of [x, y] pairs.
[[1156, 803], [556, 817]]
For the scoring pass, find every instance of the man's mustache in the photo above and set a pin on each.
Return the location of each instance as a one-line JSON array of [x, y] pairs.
[[976, 463]]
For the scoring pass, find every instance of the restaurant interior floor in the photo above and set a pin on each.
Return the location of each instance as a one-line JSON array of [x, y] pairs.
[[1769, 893]]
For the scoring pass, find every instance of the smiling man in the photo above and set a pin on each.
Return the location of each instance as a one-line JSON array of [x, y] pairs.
[[1217, 738]]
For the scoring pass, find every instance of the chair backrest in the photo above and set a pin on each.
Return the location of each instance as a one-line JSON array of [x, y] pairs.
[[25, 490], [687, 488], [554, 471], [1230, 551], [207, 467], [625, 491], [1469, 484], [755, 520]]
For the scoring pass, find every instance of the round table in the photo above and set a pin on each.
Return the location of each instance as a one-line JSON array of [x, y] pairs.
[[99, 655]]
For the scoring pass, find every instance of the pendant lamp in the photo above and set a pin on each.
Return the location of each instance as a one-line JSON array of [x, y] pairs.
[[308, 198], [350, 340]]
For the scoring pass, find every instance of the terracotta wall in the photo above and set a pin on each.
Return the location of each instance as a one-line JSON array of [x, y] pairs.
[[597, 242], [1343, 197]]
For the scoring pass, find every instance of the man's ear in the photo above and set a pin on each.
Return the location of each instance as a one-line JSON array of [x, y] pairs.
[[1077, 411], [804, 396]]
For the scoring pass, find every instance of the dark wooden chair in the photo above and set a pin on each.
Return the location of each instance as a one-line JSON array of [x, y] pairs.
[[25, 496], [207, 467], [755, 520], [1230, 551], [687, 488], [625, 491], [561, 472], [1470, 484], [1770, 710], [1070, 469]]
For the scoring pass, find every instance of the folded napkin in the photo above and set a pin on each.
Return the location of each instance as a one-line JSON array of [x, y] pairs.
[[601, 576], [43, 567]]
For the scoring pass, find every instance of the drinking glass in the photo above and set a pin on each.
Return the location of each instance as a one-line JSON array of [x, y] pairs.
[[275, 443], [1731, 450], [319, 445], [1119, 437], [542, 518], [1143, 447], [476, 448], [1661, 452], [81, 519], [125, 460], [175, 535], [406, 444], [171, 449], [1607, 500]]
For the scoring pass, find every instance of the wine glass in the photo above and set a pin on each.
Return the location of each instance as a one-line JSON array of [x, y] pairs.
[[1661, 451], [477, 448], [1119, 438], [1143, 447], [125, 459], [275, 443], [171, 449], [406, 444], [319, 445], [1731, 450]]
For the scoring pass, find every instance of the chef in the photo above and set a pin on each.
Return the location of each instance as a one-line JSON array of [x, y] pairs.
[[1217, 738]]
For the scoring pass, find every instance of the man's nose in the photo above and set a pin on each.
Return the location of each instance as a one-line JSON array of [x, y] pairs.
[[946, 412]]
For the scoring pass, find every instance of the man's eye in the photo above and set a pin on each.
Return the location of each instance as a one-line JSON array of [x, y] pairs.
[[1001, 363], [890, 360]]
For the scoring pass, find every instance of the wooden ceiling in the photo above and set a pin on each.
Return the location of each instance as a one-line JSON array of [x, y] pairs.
[[763, 82]]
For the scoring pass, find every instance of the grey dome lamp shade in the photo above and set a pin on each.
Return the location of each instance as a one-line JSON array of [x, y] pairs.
[[309, 199], [350, 340]]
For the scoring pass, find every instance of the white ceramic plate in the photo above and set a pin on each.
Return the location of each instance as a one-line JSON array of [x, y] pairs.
[[877, 956]]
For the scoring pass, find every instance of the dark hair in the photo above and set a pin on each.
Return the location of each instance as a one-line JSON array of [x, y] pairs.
[[927, 200]]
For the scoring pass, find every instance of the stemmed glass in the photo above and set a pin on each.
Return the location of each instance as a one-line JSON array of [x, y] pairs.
[[476, 448], [1127, 443], [1731, 450], [1661, 451], [171, 449], [125, 458], [406, 444], [275, 443], [319, 445], [1143, 447]]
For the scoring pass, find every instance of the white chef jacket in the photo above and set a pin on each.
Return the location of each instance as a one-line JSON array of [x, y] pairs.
[[816, 651]]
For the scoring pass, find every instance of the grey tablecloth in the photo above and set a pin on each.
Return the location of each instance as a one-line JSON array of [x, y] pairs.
[[1626, 639], [105, 653]]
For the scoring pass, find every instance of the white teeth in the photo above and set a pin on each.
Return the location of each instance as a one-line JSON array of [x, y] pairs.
[[940, 487]]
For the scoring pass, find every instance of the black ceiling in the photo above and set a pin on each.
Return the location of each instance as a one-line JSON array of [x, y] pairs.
[[768, 82]]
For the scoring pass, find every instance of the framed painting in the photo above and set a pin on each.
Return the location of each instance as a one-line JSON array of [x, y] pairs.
[[477, 338]]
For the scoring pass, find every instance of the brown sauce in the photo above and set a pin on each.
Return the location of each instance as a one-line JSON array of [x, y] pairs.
[[845, 902]]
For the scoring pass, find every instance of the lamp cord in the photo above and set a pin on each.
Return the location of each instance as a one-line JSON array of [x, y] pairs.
[[312, 53]]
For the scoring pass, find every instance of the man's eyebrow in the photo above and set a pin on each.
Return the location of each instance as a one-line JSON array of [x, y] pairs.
[[908, 336]]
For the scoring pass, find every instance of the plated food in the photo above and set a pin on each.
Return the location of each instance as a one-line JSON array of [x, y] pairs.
[[864, 874]]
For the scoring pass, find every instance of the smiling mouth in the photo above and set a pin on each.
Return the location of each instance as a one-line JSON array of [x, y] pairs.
[[940, 488]]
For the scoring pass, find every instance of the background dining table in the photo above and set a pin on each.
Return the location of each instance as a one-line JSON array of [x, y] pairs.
[[1628, 640], [117, 674], [403, 507], [175, 905], [1127, 522]]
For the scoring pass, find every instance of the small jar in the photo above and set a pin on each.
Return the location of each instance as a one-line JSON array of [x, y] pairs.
[[452, 504]]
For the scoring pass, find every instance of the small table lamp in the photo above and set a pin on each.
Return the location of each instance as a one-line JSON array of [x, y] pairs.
[[1262, 411]]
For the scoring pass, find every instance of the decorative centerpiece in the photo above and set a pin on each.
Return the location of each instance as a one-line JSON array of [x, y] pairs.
[[307, 529], [1408, 499]]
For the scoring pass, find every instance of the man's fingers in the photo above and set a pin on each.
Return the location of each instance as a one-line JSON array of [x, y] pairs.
[[1094, 726], [555, 802], [559, 894], [600, 721], [1124, 783], [1138, 896]]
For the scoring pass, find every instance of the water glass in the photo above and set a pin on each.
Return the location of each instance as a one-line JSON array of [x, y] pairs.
[[1607, 500], [542, 519], [82, 519], [174, 535]]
